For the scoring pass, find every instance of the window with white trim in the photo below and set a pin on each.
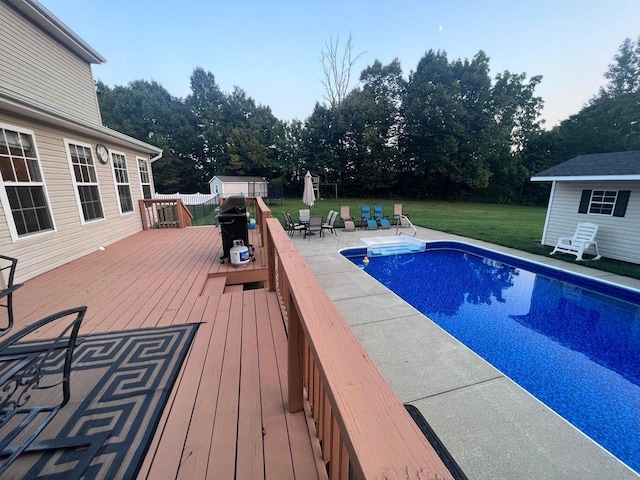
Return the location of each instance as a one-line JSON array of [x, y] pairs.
[[24, 189], [604, 202], [86, 181], [122, 182], [145, 178]]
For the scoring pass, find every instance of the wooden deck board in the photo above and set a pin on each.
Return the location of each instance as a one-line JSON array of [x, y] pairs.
[[232, 386], [277, 448], [225, 428], [250, 454], [195, 455]]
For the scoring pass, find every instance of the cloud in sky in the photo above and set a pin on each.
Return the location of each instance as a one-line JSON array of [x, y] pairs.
[[271, 49]]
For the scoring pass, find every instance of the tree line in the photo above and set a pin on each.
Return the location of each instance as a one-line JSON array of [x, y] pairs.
[[448, 131]]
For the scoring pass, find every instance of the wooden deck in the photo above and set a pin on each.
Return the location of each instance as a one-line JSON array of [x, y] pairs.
[[227, 415]]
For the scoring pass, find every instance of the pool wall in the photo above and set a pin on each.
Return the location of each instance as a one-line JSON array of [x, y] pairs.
[[602, 286]]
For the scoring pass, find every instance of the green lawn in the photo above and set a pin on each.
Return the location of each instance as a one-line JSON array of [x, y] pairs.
[[513, 226]]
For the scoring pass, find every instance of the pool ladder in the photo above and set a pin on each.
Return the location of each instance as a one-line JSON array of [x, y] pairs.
[[399, 219]]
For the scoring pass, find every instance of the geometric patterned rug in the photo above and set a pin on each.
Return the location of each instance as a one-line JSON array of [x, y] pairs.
[[120, 382]]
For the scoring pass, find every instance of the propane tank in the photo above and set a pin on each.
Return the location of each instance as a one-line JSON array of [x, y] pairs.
[[239, 254]]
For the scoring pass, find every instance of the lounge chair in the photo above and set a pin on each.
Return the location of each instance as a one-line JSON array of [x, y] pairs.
[[367, 220], [290, 226], [399, 218], [583, 238], [330, 223], [347, 219], [315, 225], [378, 215]]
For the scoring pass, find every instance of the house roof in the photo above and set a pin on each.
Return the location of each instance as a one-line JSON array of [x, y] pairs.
[[597, 166], [29, 108], [238, 179], [46, 20]]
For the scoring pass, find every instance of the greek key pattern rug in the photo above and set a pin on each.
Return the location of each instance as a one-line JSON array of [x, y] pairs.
[[120, 382]]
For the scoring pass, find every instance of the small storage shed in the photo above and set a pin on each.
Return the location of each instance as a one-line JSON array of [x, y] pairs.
[[602, 188], [226, 186]]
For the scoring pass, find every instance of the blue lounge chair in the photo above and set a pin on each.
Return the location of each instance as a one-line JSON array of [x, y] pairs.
[[378, 215], [368, 221]]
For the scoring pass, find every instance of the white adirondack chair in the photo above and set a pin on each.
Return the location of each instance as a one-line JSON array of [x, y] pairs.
[[583, 238]]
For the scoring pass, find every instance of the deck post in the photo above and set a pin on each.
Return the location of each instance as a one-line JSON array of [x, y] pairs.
[[294, 369]]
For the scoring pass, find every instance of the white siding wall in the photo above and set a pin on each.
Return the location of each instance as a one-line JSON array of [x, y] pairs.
[[36, 66], [72, 239], [236, 188], [216, 183], [618, 237]]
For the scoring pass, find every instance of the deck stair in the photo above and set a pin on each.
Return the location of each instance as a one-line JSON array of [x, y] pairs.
[[214, 287]]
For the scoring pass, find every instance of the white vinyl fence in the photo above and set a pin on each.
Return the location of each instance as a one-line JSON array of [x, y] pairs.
[[190, 198]]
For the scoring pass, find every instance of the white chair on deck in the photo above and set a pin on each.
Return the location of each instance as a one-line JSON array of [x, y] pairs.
[[583, 238]]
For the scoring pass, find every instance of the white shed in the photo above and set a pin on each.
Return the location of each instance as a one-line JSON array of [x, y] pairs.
[[225, 186], [601, 188]]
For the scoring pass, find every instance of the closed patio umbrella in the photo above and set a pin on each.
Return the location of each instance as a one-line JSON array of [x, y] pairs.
[[308, 197]]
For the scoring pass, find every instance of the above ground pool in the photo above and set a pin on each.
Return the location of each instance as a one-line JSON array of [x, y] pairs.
[[571, 341]]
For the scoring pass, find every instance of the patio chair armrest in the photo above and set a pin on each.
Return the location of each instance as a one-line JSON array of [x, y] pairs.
[[74, 326], [6, 291], [29, 367]]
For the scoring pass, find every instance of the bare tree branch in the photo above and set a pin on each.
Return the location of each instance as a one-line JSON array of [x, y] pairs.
[[337, 67]]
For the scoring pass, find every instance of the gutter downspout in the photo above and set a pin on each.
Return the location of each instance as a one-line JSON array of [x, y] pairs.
[[157, 157]]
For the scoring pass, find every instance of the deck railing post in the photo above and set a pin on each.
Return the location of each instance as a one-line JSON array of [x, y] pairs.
[[294, 373]]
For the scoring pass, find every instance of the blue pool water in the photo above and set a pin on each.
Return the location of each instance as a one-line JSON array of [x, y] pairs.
[[571, 341]]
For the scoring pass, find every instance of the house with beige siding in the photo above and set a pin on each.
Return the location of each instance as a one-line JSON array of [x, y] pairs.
[[68, 185], [602, 188]]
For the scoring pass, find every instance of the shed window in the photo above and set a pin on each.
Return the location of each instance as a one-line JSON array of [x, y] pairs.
[[24, 189], [604, 202]]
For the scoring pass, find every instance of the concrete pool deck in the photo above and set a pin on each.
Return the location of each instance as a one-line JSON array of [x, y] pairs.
[[491, 426]]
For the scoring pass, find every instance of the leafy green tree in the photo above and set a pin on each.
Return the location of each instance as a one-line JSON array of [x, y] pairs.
[[370, 118], [515, 112], [444, 126], [146, 111], [624, 74], [206, 105], [235, 136], [609, 123]]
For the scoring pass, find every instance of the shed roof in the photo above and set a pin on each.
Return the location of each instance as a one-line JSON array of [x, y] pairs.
[[238, 179], [597, 166]]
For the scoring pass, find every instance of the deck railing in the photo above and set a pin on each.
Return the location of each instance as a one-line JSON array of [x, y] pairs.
[[363, 428], [170, 213]]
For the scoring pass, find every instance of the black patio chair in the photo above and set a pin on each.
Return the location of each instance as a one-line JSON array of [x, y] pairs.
[[290, 226], [28, 367], [6, 294]]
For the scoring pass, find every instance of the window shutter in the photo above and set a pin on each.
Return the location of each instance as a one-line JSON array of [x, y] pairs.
[[621, 203], [584, 201]]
